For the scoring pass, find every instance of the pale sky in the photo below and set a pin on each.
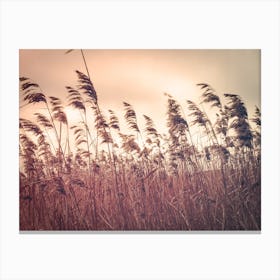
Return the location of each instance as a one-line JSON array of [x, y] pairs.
[[140, 77]]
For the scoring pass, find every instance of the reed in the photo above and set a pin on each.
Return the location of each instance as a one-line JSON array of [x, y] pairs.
[[145, 180]]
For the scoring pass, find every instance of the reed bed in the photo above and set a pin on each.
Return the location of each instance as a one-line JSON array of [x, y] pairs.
[[143, 180]]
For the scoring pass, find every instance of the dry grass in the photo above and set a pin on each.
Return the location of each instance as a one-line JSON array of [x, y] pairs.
[[149, 181]]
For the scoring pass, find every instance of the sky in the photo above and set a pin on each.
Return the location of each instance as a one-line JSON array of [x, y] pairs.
[[141, 77]]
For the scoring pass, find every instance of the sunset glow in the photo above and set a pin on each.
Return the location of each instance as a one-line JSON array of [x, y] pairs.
[[140, 139], [141, 77]]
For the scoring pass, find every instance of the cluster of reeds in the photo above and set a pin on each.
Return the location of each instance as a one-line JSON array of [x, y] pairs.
[[144, 180]]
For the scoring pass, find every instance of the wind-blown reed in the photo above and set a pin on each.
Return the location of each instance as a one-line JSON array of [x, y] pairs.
[[144, 180]]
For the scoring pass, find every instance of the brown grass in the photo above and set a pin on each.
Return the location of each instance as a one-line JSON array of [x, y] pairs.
[[149, 181]]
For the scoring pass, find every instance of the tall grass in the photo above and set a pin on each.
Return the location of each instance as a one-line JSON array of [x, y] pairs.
[[143, 180]]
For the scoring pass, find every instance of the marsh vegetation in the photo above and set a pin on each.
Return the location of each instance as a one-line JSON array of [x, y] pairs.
[[142, 180]]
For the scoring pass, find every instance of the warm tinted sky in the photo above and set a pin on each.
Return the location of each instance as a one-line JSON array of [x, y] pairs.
[[140, 77]]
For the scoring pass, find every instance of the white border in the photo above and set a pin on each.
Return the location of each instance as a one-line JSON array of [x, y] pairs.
[[140, 24]]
